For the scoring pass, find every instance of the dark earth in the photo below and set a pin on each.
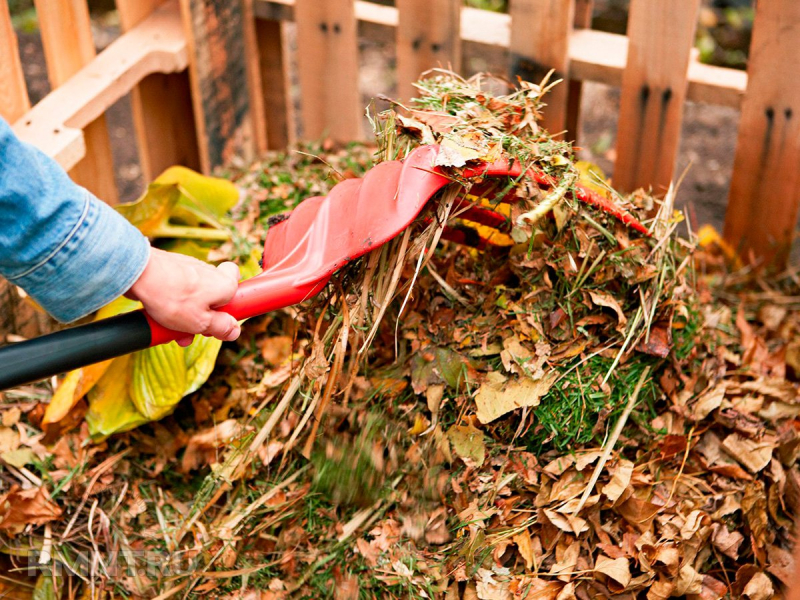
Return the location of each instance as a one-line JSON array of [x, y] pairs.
[[707, 144]]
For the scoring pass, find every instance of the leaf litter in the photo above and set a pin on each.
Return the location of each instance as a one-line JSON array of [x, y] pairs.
[[571, 408]]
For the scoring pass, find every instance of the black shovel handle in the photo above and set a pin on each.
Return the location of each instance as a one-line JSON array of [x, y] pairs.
[[73, 348]]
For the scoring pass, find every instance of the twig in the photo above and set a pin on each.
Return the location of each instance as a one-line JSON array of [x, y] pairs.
[[612, 442]]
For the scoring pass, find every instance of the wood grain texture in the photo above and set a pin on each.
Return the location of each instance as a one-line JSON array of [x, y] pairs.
[[581, 20], [428, 36], [13, 93], [327, 57], [594, 55], [254, 85], [55, 124], [765, 189], [220, 82], [275, 83], [540, 33], [163, 115], [68, 46], [661, 35]]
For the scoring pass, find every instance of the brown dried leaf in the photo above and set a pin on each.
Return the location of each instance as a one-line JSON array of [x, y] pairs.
[[607, 300], [753, 455], [19, 508], [498, 396], [758, 588], [688, 581], [467, 441], [708, 401], [525, 547], [620, 479], [726, 541], [616, 570]]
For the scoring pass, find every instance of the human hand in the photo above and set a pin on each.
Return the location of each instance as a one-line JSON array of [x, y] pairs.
[[181, 292]]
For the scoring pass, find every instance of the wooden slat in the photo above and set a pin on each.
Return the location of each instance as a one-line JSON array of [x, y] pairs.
[[661, 35], [275, 83], [54, 125], [540, 31], [765, 189], [68, 46], [163, 116], [428, 36], [220, 79], [254, 85], [594, 55], [327, 57], [581, 20], [13, 93]]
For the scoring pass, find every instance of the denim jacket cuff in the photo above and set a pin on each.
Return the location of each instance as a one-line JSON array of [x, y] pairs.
[[99, 260]]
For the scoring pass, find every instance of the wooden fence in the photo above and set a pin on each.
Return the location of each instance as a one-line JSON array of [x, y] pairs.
[[209, 79]]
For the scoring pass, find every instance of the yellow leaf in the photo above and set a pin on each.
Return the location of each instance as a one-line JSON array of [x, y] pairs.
[[158, 379], [591, 176], [74, 386], [707, 237], [200, 357], [467, 441], [110, 407]]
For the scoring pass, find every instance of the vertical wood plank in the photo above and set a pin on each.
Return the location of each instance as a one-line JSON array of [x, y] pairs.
[[162, 108], [581, 20], [254, 85], [660, 37], [274, 83], [428, 36], [765, 189], [220, 77], [327, 57], [540, 31], [68, 46], [14, 100]]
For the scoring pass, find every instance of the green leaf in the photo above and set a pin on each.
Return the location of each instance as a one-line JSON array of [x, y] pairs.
[[111, 409], [48, 587], [158, 379]]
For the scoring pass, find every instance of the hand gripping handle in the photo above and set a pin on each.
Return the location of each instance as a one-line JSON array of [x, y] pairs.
[[77, 347]]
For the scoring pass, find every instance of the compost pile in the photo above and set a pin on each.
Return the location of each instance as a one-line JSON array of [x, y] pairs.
[[578, 406]]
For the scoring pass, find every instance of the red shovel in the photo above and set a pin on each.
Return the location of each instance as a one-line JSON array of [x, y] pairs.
[[301, 253]]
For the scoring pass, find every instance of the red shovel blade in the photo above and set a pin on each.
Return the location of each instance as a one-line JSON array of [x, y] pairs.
[[323, 234]]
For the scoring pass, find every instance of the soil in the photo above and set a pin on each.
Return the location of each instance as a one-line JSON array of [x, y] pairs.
[[706, 151]]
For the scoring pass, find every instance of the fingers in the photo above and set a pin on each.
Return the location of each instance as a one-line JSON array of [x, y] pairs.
[[226, 282], [223, 327], [185, 341]]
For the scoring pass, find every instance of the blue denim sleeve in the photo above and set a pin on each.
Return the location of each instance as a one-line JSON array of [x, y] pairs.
[[71, 252]]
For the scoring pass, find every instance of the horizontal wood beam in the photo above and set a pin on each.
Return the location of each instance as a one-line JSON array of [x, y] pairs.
[[54, 125], [594, 55]]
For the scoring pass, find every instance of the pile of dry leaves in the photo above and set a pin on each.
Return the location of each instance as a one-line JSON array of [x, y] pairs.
[[565, 408]]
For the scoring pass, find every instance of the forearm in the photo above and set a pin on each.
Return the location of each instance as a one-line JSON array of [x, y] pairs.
[[68, 250]]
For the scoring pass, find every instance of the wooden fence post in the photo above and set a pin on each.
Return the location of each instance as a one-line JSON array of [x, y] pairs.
[[540, 31], [765, 189], [428, 36], [68, 46], [660, 38], [327, 57], [582, 20], [275, 84], [162, 108], [223, 73], [13, 94]]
